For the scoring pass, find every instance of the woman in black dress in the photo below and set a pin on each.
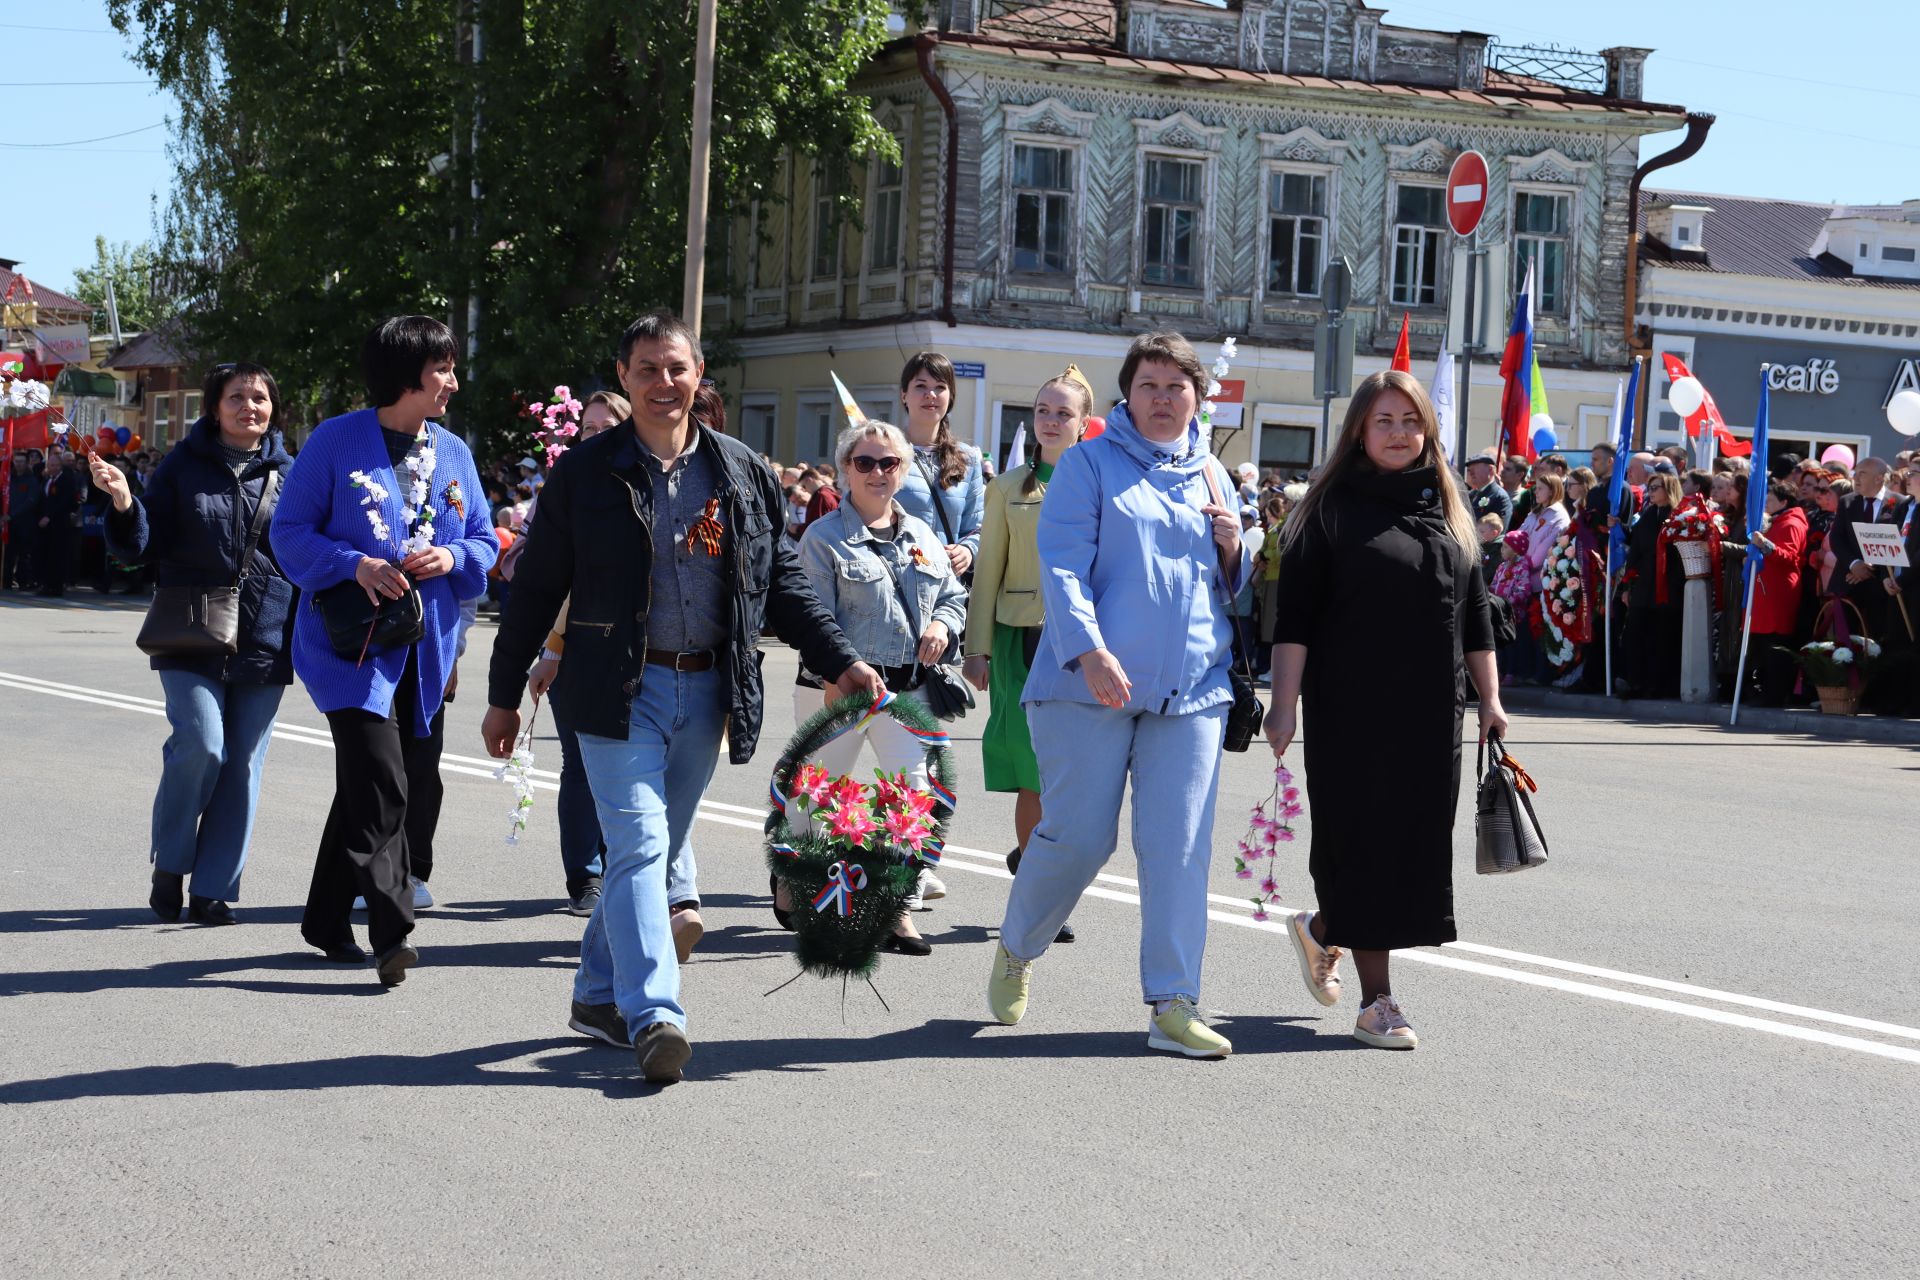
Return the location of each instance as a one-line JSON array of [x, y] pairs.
[[1653, 630], [1382, 615]]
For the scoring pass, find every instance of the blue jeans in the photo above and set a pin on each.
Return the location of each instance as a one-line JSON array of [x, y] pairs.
[[582, 851], [1087, 753], [210, 778], [647, 790]]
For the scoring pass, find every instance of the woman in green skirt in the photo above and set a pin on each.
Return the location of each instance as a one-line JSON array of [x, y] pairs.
[[1004, 613]]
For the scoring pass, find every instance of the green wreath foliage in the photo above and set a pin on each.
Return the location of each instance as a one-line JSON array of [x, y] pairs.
[[825, 942]]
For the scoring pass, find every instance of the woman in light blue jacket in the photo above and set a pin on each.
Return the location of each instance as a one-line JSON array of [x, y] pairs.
[[887, 580], [1131, 680], [944, 484]]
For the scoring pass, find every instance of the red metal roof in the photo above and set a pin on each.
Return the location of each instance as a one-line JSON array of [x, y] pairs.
[[51, 298]]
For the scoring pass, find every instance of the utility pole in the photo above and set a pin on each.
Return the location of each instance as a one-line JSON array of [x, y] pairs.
[[702, 156]]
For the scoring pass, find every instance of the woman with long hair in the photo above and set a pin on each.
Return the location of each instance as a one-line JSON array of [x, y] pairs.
[[1383, 618], [202, 521], [945, 485], [1005, 610], [385, 502], [1140, 556]]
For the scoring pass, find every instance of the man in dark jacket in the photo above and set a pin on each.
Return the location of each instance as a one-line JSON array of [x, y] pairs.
[[1485, 497], [23, 522], [53, 537], [1872, 502], [664, 536]]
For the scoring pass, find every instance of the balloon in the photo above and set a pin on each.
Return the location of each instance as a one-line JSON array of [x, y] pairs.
[[134, 443], [1095, 428], [1903, 413], [1544, 440], [122, 436], [1840, 453], [104, 434], [1686, 395]]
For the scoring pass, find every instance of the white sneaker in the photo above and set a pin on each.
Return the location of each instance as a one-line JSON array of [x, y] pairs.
[[929, 888], [1319, 966], [1382, 1025]]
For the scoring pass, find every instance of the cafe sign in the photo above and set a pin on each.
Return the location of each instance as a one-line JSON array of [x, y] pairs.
[[1816, 376]]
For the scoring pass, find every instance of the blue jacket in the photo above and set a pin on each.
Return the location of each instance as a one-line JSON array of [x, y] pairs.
[[192, 522], [321, 534], [1129, 565], [964, 505], [841, 559]]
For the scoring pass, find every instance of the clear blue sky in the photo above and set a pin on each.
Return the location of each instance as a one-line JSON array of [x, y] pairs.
[[1814, 104]]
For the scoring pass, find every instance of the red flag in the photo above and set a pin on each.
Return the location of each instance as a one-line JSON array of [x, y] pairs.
[[1707, 415], [1402, 353]]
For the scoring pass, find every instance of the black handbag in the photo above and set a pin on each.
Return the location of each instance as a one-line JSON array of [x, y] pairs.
[[202, 622], [1247, 713], [356, 626], [1507, 835], [941, 686]]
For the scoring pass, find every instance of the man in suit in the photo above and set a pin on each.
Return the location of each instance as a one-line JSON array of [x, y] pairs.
[[53, 533], [23, 521], [1484, 497], [1872, 503]]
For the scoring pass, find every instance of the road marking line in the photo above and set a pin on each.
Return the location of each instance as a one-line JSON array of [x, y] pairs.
[[992, 866]]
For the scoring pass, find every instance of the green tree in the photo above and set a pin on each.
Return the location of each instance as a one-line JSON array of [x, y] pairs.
[[135, 286], [328, 151]]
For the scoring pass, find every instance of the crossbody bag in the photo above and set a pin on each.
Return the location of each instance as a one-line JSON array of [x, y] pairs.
[[203, 622]]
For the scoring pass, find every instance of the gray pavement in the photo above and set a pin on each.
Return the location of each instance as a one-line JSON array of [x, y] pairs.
[[1684, 1048]]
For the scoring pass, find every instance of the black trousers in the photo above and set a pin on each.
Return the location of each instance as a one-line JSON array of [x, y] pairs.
[[52, 549], [17, 570], [380, 770], [1770, 668]]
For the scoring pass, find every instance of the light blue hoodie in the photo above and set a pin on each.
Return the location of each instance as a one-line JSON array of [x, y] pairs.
[[1129, 564]]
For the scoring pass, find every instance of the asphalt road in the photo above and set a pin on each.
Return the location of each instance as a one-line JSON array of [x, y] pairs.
[[1687, 1047]]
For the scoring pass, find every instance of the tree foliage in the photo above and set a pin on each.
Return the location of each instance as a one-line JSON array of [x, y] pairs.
[[136, 289], [327, 150]]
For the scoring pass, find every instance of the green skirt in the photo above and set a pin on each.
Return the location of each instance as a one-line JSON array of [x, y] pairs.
[[1006, 749]]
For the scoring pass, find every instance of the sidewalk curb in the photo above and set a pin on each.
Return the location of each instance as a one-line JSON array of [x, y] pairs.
[[1807, 722]]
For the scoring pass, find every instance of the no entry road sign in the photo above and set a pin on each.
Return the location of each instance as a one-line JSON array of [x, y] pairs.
[[1467, 192]]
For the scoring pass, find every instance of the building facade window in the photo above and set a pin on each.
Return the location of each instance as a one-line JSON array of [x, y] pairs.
[[1542, 239], [162, 417], [826, 233], [1296, 232], [1171, 240], [191, 410], [813, 439], [1042, 209], [759, 421], [1419, 245], [883, 215]]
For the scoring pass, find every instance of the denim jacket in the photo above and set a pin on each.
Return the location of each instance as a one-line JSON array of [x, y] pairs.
[[843, 562]]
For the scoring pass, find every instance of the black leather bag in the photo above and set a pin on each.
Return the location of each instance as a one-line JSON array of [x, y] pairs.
[[941, 686], [356, 626], [1248, 713], [203, 622]]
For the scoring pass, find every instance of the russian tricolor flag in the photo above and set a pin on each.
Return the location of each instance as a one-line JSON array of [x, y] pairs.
[[1517, 366]]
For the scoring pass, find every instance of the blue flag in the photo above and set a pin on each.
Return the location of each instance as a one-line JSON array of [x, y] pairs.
[[1617, 482], [1757, 484]]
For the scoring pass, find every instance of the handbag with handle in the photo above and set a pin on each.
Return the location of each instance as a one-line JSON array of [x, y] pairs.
[[1507, 835], [204, 622], [942, 687], [357, 626]]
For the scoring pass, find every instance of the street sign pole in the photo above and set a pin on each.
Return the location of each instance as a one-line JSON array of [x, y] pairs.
[[1333, 352], [1467, 189]]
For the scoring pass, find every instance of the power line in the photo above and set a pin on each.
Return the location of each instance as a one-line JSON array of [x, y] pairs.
[[77, 31], [65, 84], [105, 137]]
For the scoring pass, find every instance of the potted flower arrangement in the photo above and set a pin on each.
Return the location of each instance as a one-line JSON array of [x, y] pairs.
[[1839, 669], [1696, 530], [849, 852]]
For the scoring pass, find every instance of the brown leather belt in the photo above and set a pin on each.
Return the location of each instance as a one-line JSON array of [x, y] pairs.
[[701, 661]]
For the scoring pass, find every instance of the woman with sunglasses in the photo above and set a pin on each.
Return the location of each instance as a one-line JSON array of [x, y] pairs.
[[886, 577]]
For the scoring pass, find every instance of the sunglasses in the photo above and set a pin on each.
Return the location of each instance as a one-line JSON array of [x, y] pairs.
[[867, 464]]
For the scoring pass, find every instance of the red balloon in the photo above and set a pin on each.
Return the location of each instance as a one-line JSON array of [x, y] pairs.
[[1095, 428], [104, 433], [134, 443]]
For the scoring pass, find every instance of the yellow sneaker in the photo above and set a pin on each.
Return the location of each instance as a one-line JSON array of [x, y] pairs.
[[1179, 1030], [1007, 988]]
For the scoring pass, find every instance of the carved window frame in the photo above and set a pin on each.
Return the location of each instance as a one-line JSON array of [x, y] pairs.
[[1053, 124], [1176, 137], [872, 278], [1303, 151], [1550, 173]]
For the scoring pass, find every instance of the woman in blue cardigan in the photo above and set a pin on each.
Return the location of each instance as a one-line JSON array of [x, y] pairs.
[[388, 499], [195, 521]]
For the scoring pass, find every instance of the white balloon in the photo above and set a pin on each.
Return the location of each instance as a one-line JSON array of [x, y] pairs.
[[1540, 422], [1686, 395], [1903, 413]]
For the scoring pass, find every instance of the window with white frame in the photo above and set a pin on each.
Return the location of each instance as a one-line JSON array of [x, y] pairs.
[[1419, 245], [759, 421], [1296, 232], [1542, 239], [826, 232], [1171, 241], [162, 416], [191, 411], [1042, 209], [885, 181], [813, 437]]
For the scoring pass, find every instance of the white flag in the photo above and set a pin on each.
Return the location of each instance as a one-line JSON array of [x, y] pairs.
[[1442, 390], [1017, 451]]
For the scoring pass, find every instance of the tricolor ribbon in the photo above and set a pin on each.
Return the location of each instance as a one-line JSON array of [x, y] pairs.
[[929, 852], [785, 851], [779, 801], [942, 794], [842, 883]]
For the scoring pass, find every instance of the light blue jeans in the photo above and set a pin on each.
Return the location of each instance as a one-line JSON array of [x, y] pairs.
[[1087, 753], [210, 778], [647, 791]]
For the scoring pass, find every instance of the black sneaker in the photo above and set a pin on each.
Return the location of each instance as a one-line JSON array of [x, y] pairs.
[[601, 1021], [1066, 933], [583, 904], [662, 1050]]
